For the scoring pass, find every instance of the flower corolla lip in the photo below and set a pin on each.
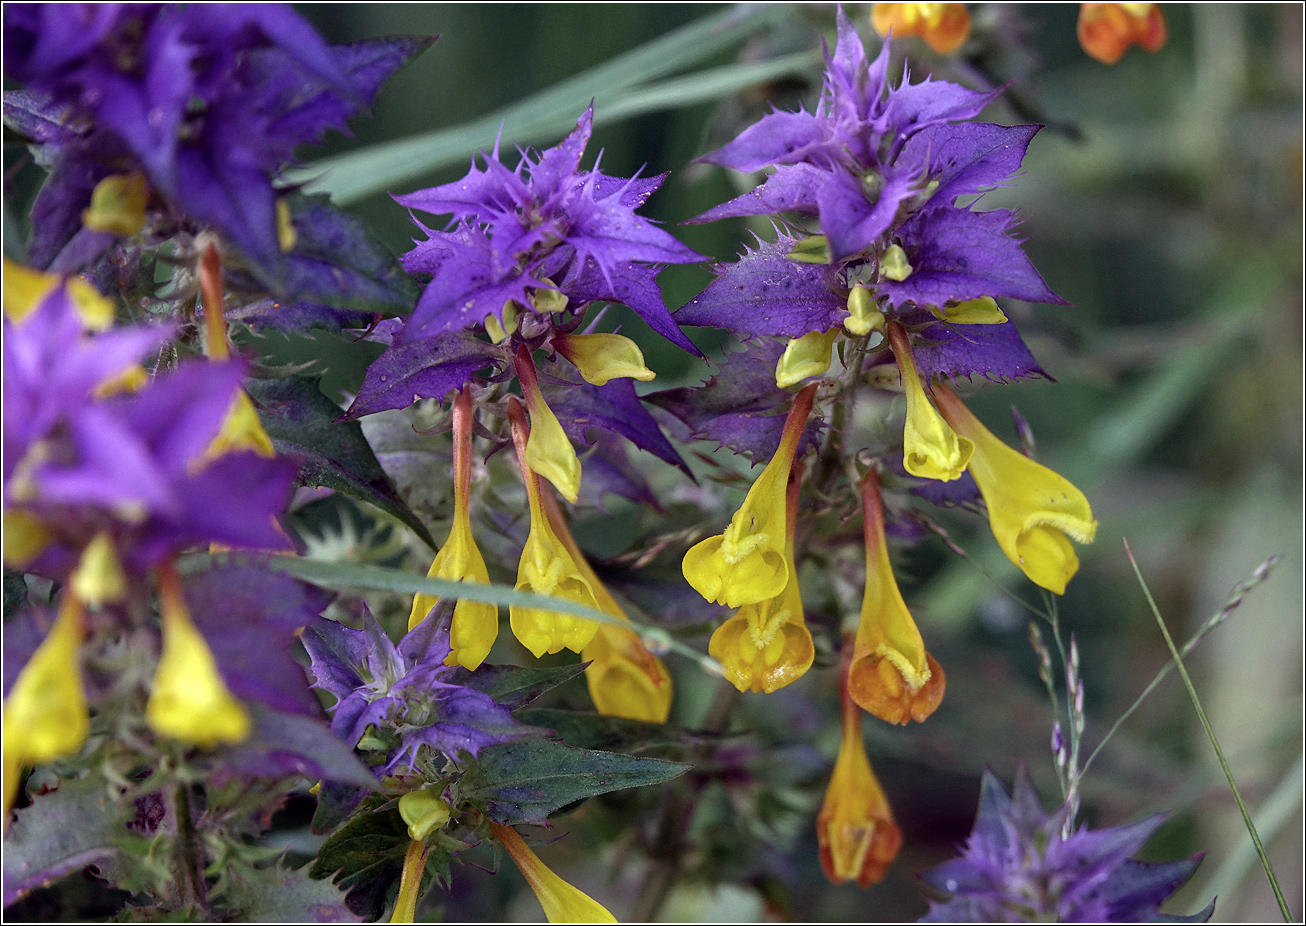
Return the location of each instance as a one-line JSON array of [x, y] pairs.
[[1034, 512], [891, 675], [475, 623], [546, 567], [931, 449], [944, 26], [1106, 30], [602, 356], [855, 828], [189, 701], [747, 564], [562, 902], [45, 714], [767, 645], [805, 357]]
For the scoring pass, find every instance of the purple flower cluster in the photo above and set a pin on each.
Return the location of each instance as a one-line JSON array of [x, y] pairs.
[[1018, 866], [405, 690], [208, 101], [882, 168], [544, 228], [81, 459]]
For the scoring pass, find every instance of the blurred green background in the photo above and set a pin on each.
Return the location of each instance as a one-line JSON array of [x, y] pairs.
[[1165, 203]]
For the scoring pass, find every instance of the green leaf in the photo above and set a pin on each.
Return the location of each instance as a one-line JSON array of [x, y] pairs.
[[302, 424], [15, 593], [515, 686], [365, 856], [283, 895], [552, 112], [61, 832], [524, 782]]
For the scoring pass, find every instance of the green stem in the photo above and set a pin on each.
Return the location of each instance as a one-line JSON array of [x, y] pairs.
[[1215, 743], [189, 858]]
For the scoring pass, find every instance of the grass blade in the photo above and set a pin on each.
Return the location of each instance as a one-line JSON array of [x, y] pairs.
[[1215, 743]]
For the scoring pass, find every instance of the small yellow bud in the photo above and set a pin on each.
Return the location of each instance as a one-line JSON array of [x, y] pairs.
[[25, 537], [814, 249], [286, 235], [893, 265], [601, 357], [118, 204], [423, 810], [981, 311], [864, 317], [98, 578], [549, 300], [805, 357]]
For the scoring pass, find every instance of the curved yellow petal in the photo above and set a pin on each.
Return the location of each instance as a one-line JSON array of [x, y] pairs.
[[118, 204], [930, 449], [189, 701], [1034, 512], [603, 357], [562, 902], [805, 357], [548, 449]]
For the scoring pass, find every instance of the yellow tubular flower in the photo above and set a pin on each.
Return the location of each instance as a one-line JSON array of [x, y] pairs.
[[562, 902], [624, 678], [805, 357], [546, 568], [855, 828], [930, 449], [475, 623], [410, 883], [45, 715], [548, 451], [601, 357], [944, 26], [746, 564], [189, 701], [767, 645], [891, 675], [1033, 512], [118, 204]]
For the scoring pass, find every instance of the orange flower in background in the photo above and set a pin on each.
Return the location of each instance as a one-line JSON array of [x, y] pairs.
[[855, 827], [891, 675], [1106, 30], [944, 26]]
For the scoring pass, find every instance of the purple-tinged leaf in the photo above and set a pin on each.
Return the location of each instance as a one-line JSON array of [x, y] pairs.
[[298, 316], [514, 686], [284, 745], [777, 138], [608, 469], [962, 492], [792, 188], [427, 369], [614, 407], [62, 831], [282, 895], [303, 425], [995, 352], [635, 286], [251, 618], [740, 407], [969, 158], [766, 293], [960, 255]]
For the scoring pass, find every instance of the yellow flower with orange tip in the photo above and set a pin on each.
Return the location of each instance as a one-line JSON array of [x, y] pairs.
[[891, 674], [562, 902], [747, 563], [624, 678], [855, 829], [930, 449], [45, 715], [189, 700], [1033, 512], [548, 449], [1106, 30], [475, 623], [767, 645], [944, 26], [546, 568]]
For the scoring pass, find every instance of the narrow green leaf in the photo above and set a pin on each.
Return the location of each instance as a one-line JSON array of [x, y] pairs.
[[547, 114], [1215, 743], [596, 731]]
